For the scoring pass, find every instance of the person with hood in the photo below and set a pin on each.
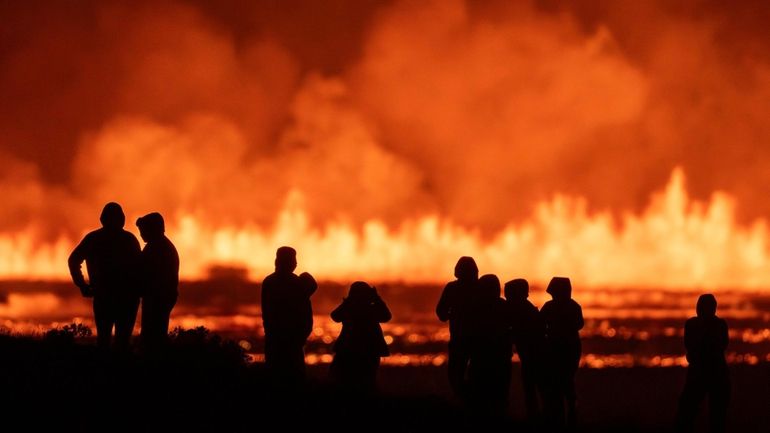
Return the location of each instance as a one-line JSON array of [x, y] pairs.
[[111, 255], [490, 354], [361, 342], [456, 306], [527, 334], [287, 318], [563, 319], [159, 273], [705, 339]]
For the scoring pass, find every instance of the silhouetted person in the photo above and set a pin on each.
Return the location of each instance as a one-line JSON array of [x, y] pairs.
[[490, 358], [361, 342], [159, 273], [111, 256], [287, 317], [455, 305], [563, 318], [527, 333], [705, 338]]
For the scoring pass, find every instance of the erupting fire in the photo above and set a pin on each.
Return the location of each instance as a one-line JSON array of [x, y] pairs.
[[674, 243]]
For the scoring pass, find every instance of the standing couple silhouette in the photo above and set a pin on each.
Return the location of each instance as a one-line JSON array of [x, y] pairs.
[[121, 274]]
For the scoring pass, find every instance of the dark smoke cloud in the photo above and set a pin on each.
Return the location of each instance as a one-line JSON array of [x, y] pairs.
[[376, 109]]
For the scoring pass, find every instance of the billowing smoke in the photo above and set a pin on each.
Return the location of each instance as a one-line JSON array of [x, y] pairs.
[[375, 110], [497, 113]]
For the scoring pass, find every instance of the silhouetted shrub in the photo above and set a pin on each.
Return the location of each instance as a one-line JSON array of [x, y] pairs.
[[67, 333], [199, 345]]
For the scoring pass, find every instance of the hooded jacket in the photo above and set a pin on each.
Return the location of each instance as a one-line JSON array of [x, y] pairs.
[[111, 255]]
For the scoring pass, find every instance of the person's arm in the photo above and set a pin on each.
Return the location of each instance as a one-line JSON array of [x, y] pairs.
[[689, 341], [267, 304], [443, 309], [175, 276], [309, 284], [382, 312], [170, 269], [340, 313], [724, 337], [137, 266], [579, 323], [75, 261]]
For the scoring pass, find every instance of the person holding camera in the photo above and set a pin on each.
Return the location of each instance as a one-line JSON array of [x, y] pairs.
[[361, 343]]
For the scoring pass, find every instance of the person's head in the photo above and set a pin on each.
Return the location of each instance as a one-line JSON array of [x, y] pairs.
[[706, 306], [489, 287], [466, 269], [285, 259], [151, 226], [112, 216], [559, 288], [361, 291], [517, 289]]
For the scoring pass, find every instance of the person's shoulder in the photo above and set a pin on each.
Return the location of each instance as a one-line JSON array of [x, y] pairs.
[[547, 307], [307, 281], [89, 241], [93, 235], [168, 245], [452, 285], [128, 236]]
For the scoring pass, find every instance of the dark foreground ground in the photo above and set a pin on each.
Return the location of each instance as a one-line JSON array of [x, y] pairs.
[[203, 384]]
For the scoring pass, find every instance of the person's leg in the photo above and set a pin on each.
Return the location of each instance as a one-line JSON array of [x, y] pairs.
[[689, 402], [285, 360], [504, 381], [529, 383], [149, 323], [457, 366], [562, 396], [298, 370], [126, 309], [165, 318], [373, 366], [719, 398], [272, 354], [570, 399], [570, 394], [104, 319], [358, 374], [553, 410]]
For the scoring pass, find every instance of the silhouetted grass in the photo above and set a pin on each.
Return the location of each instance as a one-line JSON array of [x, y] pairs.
[[61, 382]]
